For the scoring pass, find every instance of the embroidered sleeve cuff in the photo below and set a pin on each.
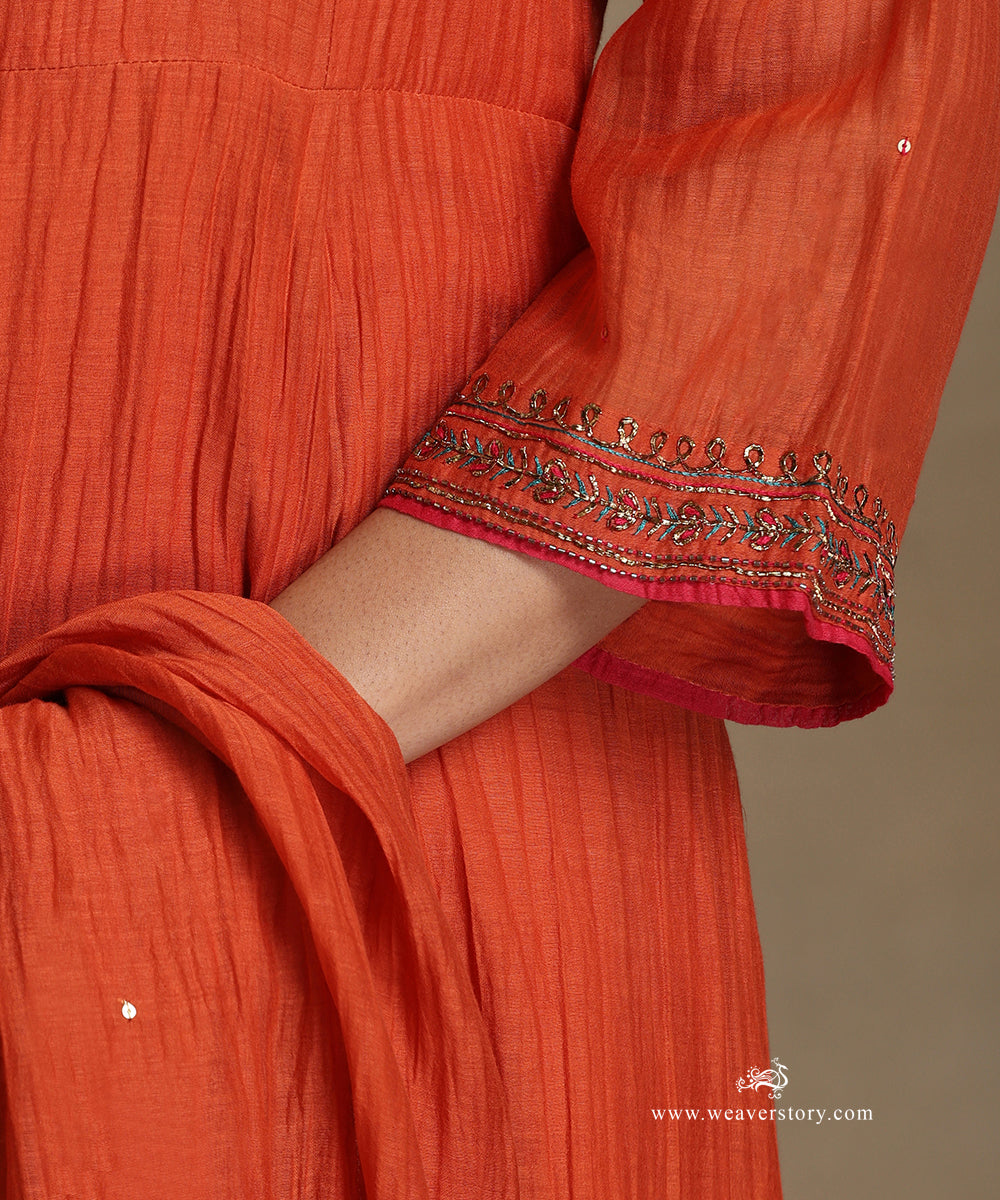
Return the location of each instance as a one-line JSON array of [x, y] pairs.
[[777, 567]]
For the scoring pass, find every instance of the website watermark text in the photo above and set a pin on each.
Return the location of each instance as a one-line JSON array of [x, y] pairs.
[[812, 1115]]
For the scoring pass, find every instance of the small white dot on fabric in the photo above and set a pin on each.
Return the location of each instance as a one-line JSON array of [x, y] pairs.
[[604, 333], [128, 1011], [904, 145]]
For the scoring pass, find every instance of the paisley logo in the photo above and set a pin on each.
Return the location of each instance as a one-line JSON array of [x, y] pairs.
[[775, 1078]]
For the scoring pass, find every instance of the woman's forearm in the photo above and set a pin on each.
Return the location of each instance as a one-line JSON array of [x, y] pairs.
[[437, 631]]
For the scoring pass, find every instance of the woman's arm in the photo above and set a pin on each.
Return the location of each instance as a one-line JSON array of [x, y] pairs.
[[437, 631]]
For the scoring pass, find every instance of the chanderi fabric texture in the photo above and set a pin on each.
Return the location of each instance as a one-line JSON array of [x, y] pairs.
[[681, 324]]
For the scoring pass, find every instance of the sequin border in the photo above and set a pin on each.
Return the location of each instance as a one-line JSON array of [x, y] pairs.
[[843, 550]]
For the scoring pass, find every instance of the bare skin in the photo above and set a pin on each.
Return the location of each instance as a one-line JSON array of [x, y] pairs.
[[437, 631]]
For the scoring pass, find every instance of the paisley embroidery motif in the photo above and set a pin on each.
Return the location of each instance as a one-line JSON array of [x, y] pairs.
[[544, 471]]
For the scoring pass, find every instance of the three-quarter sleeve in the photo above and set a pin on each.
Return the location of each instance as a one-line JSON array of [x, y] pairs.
[[723, 402]]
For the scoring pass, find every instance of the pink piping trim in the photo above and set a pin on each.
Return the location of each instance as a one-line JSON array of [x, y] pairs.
[[610, 668]]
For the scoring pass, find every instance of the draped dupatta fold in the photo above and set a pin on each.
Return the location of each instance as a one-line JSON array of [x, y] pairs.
[[325, 779]]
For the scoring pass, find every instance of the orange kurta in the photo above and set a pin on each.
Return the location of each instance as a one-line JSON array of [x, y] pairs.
[[247, 252]]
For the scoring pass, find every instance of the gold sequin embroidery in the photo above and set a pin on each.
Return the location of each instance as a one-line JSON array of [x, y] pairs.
[[661, 513]]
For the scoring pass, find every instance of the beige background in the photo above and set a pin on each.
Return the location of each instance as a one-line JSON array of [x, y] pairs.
[[874, 849]]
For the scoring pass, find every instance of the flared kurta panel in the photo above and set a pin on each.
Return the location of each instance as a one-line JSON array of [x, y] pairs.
[[247, 252], [474, 977]]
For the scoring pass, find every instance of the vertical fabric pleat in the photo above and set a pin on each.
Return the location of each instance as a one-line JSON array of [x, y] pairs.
[[246, 251]]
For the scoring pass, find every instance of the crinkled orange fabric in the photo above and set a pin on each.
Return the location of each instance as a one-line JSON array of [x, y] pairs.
[[724, 400], [473, 981], [246, 253]]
